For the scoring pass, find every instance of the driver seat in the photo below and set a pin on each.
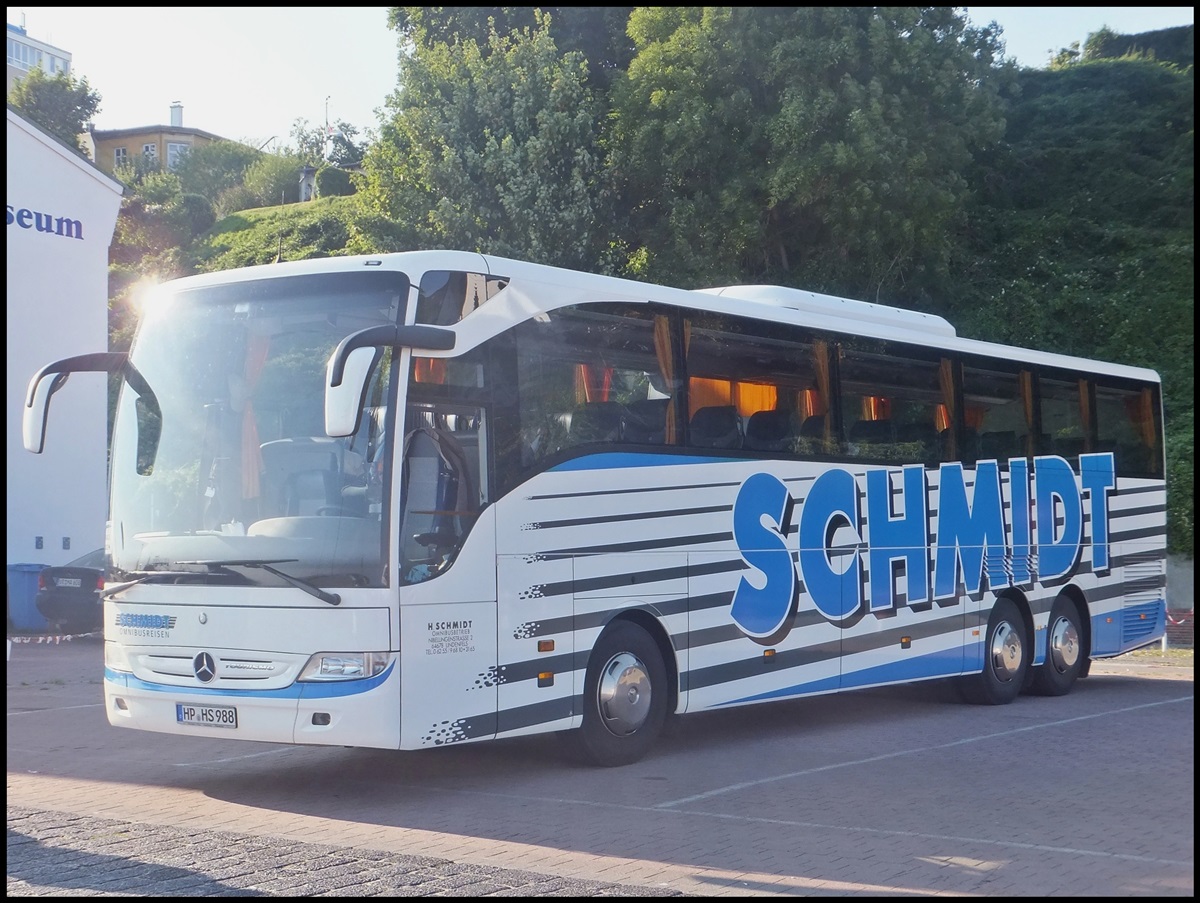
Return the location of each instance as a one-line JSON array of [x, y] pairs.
[[306, 492]]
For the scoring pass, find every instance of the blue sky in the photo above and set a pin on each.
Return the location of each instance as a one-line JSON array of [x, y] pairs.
[[249, 73]]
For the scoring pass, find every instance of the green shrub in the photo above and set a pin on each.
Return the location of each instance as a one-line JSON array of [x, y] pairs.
[[333, 182]]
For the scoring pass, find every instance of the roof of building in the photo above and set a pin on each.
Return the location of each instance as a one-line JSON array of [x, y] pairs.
[[64, 150], [105, 134]]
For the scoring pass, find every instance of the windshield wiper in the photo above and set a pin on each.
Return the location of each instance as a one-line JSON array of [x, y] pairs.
[[265, 564], [142, 577]]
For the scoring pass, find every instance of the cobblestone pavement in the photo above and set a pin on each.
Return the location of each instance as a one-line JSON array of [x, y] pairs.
[[60, 854]]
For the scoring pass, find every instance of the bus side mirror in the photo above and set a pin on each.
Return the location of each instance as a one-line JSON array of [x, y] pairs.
[[51, 378], [37, 409], [350, 365], [343, 402]]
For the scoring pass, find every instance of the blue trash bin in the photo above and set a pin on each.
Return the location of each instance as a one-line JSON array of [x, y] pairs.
[[22, 595]]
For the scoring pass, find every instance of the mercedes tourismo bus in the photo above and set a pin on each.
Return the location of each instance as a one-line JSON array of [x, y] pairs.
[[436, 497]]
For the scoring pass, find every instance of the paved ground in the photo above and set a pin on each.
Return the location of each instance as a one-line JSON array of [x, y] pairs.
[[888, 792], [60, 854]]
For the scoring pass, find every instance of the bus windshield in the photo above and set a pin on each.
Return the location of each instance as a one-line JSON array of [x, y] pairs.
[[243, 469]]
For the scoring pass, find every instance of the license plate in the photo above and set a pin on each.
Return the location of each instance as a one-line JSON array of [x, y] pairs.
[[206, 715], [68, 581]]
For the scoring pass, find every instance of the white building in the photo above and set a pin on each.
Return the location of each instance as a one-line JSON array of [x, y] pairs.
[[61, 214], [25, 53]]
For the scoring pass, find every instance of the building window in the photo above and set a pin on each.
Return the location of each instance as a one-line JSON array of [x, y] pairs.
[[175, 153], [120, 156], [22, 56], [150, 151], [25, 57]]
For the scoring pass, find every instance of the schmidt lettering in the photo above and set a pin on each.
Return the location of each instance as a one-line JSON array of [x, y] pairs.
[[44, 222]]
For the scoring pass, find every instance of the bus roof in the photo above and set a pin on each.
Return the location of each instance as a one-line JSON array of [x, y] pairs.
[[540, 288], [833, 306]]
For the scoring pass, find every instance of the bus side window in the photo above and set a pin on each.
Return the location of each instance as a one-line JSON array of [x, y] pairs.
[[1127, 425]]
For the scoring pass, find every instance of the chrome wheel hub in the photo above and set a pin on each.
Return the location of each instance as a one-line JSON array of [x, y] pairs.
[[624, 694], [1007, 652], [1064, 645]]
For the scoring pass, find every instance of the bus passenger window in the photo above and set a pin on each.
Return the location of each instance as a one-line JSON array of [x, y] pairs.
[[600, 373], [1127, 424]]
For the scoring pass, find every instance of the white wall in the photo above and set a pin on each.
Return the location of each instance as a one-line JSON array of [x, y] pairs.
[[1181, 583], [57, 307]]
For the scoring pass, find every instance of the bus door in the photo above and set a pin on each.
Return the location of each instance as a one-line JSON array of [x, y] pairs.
[[447, 579]]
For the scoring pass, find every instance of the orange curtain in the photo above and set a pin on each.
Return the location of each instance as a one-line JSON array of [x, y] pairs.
[[945, 411], [581, 389], [1085, 414], [430, 370], [256, 358], [810, 404], [1026, 383], [1140, 410], [666, 365], [876, 407], [821, 368], [704, 392], [592, 383], [941, 418], [752, 397]]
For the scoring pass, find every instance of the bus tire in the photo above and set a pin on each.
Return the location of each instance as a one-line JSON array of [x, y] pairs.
[[1064, 651], [624, 699], [1005, 658]]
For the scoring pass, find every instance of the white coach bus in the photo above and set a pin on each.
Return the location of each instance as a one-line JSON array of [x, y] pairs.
[[435, 497]]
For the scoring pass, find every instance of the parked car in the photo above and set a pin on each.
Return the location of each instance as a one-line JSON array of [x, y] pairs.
[[68, 596]]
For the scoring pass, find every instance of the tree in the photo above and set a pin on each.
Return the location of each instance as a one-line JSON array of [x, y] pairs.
[[494, 147], [275, 179], [821, 146], [60, 104], [1082, 234], [210, 169], [316, 146], [598, 32]]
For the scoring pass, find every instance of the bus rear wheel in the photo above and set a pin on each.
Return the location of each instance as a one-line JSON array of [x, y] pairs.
[[1005, 659], [1064, 655], [624, 699]]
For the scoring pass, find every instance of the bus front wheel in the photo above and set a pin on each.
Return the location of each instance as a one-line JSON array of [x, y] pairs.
[[624, 699], [1005, 658], [1064, 653]]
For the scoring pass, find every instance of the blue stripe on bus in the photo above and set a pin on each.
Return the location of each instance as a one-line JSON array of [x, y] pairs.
[[297, 690], [948, 663], [618, 460]]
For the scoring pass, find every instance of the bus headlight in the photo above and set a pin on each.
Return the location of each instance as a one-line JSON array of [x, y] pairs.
[[116, 659], [344, 665]]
